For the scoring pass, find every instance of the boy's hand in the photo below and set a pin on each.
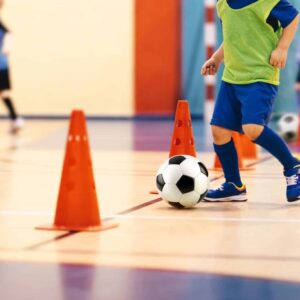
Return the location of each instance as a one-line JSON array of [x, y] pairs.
[[211, 67], [279, 57]]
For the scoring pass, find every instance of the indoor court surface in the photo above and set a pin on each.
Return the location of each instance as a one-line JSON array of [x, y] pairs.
[[215, 251], [147, 78]]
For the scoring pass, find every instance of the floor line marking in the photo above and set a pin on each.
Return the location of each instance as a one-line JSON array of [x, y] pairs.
[[214, 256], [71, 233], [183, 255], [135, 208], [257, 162], [213, 219], [25, 213], [125, 216], [57, 238]]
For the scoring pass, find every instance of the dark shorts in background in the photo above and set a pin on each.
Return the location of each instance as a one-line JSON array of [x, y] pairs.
[[4, 80], [240, 104]]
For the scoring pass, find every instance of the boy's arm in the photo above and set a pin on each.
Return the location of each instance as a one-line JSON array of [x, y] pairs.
[[211, 66], [219, 54], [279, 55]]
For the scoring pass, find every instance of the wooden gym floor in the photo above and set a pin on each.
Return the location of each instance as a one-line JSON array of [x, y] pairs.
[[215, 251]]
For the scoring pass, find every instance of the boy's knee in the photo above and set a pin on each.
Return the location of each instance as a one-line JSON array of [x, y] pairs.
[[253, 131], [221, 135]]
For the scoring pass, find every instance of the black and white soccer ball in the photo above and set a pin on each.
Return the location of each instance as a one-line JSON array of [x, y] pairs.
[[288, 126], [182, 181]]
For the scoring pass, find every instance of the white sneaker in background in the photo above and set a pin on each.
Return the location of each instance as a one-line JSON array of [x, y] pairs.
[[17, 125]]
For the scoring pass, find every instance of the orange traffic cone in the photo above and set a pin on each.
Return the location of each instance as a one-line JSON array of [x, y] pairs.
[[183, 141], [248, 147], [239, 149], [77, 207], [238, 145]]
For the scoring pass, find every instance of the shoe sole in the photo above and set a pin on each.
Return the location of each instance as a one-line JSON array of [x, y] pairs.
[[238, 198], [293, 199]]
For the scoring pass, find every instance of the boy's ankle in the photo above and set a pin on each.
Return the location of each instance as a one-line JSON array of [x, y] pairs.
[[237, 184]]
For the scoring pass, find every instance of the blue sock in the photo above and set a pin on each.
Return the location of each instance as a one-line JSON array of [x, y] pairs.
[[273, 143], [229, 161]]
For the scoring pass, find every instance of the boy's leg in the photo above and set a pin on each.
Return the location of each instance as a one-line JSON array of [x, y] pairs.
[[226, 151], [226, 118], [232, 189], [269, 140], [257, 100], [273, 143]]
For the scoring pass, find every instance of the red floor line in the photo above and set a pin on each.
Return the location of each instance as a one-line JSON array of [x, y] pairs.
[[128, 211]]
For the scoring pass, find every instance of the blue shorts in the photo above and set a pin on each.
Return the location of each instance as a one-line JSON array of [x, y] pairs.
[[240, 104]]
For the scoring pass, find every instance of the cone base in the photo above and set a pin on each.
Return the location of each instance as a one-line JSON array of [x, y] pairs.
[[102, 227]]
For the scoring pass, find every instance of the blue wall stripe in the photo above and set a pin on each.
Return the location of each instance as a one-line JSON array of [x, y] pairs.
[[193, 54]]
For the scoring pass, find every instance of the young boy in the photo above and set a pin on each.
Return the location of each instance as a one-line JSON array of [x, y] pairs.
[[257, 36], [5, 86]]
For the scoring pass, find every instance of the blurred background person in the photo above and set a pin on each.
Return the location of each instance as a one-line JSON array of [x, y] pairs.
[[17, 122]]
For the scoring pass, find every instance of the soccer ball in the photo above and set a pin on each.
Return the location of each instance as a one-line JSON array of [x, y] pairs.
[[182, 181], [288, 127]]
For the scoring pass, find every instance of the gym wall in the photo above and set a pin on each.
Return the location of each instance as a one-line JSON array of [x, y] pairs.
[[109, 57], [72, 53]]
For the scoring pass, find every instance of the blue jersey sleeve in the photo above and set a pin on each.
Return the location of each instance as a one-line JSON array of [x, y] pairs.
[[284, 12]]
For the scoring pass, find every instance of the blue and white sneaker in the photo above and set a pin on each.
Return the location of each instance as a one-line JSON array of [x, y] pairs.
[[293, 184], [227, 192]]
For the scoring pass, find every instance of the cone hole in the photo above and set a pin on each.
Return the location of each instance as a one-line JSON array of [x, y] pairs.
[[77, 138], [70, 138], [179, 123], [189, 123], [177, 142], [192, 141]]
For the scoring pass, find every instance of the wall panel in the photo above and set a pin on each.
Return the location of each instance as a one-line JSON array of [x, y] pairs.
[[158, 55], [72, 53]]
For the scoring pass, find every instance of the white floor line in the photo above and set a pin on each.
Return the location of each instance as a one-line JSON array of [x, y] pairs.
[[24, 213], [212, 219], [162, 218]]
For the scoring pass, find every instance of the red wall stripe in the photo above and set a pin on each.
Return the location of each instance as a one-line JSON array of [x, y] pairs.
[[210, 92], [210, 14], [210, 50], [158, 55]]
